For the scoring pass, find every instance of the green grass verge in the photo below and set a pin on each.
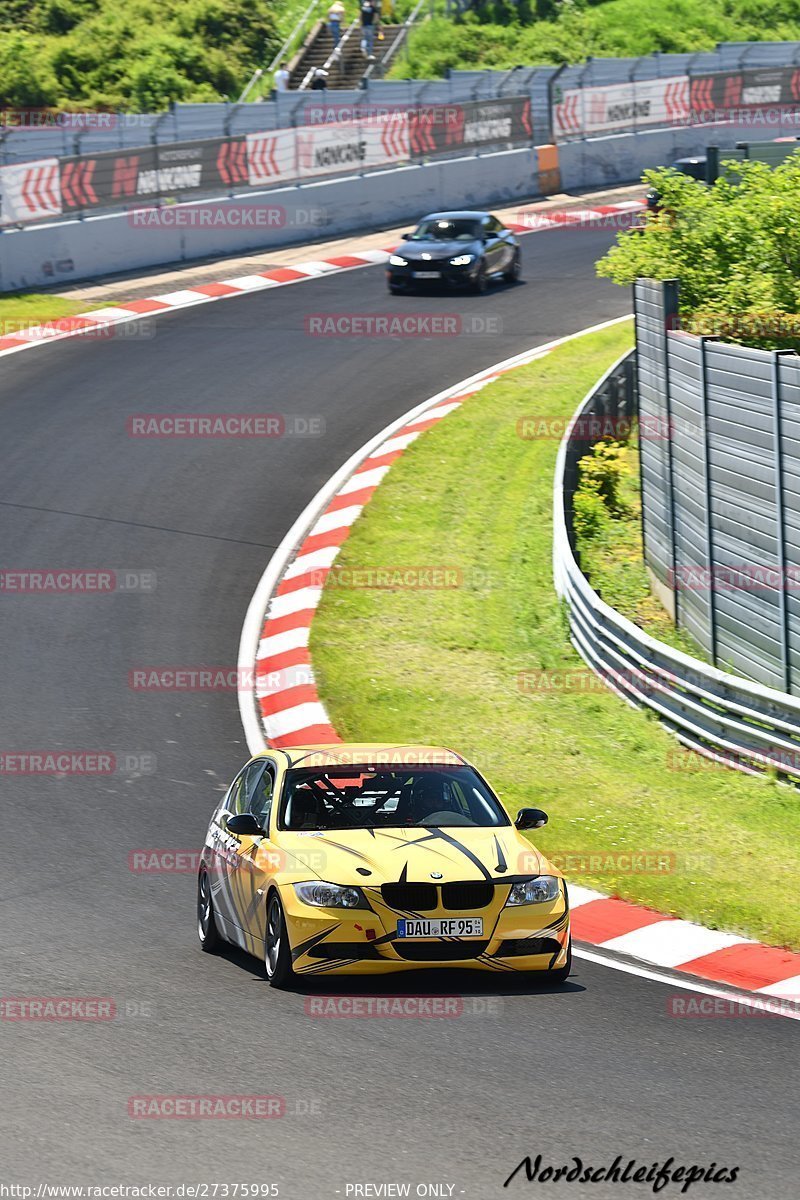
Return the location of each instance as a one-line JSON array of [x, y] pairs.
[[443, 666], [29, 308]]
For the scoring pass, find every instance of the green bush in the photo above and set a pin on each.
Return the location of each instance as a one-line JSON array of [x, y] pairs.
[[603, 472], [735, 247], [96, 53], [501, 34], [590, 516]]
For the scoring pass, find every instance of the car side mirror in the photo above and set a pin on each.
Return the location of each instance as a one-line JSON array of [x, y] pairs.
[[404, 237], [245, 825], [530, 818]]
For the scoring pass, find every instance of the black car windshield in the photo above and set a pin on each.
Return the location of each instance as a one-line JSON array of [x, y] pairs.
[[328, 798], [460, 229]]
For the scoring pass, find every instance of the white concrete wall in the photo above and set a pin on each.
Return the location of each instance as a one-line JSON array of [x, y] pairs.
[[72, 250]]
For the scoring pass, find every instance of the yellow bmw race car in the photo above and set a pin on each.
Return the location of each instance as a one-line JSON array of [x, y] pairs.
[[362, 859]]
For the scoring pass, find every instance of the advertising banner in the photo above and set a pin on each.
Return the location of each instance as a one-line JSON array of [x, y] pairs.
[[29, 191], [620, 106]]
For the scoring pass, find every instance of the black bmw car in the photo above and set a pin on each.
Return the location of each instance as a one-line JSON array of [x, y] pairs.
[[459, 249]]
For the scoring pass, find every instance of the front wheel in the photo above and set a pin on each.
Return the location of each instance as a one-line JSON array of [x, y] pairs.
[[479, 282], [207, 931], [277, 951], [513, 272], [396, 289]]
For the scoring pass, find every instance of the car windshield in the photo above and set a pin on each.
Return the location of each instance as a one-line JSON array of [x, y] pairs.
[[328, 798], [459, 230]]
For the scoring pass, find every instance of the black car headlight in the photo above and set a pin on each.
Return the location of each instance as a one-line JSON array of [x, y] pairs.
[[330, 895], [539, 889]]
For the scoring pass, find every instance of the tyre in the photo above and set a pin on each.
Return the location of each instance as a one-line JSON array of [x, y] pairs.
[[514, 271], [396, 289], [207, 931], [479, 283], [561, 974], [277, 951]]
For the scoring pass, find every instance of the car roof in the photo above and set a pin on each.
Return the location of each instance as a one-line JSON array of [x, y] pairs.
[[466, 215], [334, 754]]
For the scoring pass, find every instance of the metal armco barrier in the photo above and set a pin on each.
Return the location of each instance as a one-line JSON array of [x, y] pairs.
[[57, 187], [725, 718]]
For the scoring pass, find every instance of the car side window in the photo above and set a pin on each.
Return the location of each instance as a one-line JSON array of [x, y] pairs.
[[232, 801], [260, 799], [243, 786], [496, 226]]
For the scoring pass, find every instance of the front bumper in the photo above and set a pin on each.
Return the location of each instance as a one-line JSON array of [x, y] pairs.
[[364, 941], [444, 275]]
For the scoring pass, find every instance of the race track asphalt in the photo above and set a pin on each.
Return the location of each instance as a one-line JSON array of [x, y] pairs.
[[594, 1071]]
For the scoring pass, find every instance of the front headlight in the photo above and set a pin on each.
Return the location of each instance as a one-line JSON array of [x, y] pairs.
[[330, 895], [462, 260], [396, 261], [539, 890]]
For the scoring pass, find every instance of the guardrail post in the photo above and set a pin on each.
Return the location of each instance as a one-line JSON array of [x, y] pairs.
[[550, 105], [780, 517], [712, 608], [670, 311]]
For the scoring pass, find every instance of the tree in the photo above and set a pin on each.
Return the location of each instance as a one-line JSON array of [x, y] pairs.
[[735, 247]]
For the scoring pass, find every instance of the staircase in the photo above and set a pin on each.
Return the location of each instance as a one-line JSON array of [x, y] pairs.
[[348, 70]]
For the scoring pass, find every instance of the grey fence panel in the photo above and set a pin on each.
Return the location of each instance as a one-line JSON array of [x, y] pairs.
[[688, 445], [739, 723], [757, 54], [729, 502], [653, 422]]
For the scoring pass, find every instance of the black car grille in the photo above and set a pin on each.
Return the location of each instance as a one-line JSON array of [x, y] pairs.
[[416, 897], [467, 895], [433, 264], [438, 951], [424, 897], [517, 947]]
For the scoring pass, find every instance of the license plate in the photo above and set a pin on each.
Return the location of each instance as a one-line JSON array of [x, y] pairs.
[[426, 274], [463, 927]]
